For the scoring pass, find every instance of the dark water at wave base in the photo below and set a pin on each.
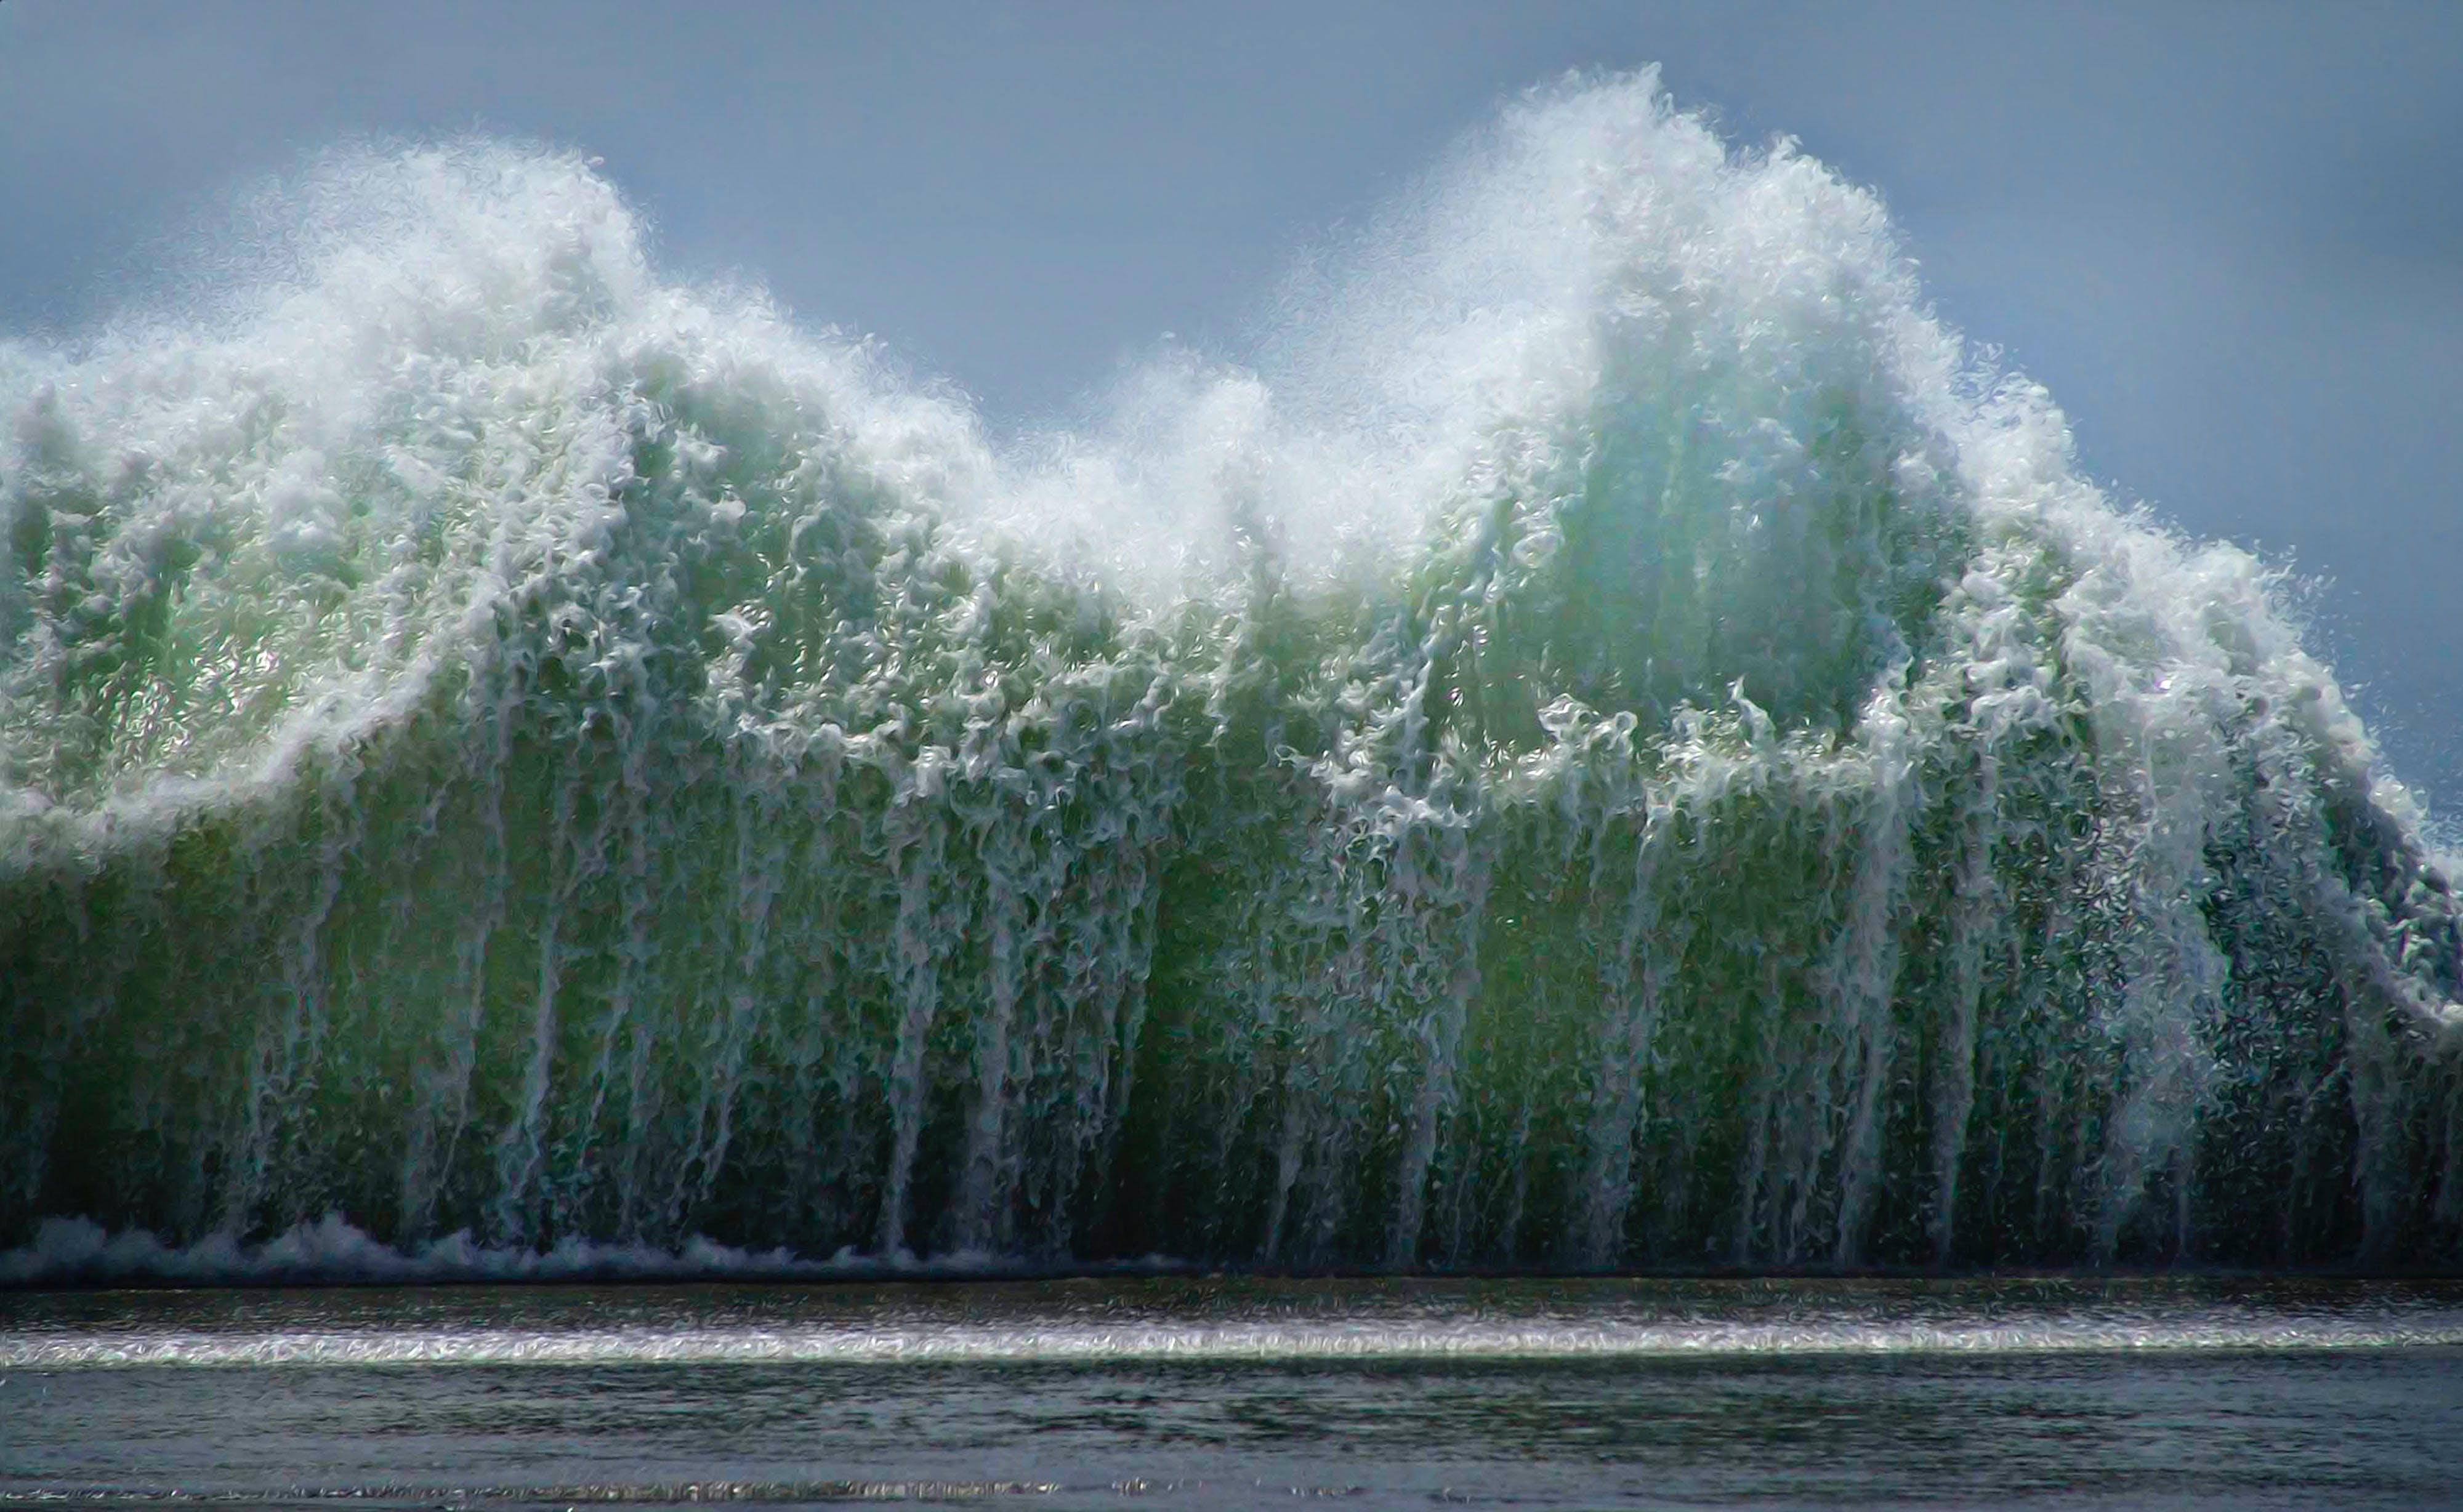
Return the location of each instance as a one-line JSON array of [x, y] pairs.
[[1201, 1393]]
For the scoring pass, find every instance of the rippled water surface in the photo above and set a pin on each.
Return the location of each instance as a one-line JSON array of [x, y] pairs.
[[1195, 1393]]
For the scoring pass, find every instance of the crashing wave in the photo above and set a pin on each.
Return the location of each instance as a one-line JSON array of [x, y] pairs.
[[1612, 742]]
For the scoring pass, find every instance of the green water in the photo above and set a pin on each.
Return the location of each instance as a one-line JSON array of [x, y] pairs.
[[1614, 739]]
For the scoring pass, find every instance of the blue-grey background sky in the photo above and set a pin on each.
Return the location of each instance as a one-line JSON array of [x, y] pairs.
[[2228, 236]]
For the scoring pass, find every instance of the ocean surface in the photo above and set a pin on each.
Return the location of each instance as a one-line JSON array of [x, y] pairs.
[[1187, 1392]]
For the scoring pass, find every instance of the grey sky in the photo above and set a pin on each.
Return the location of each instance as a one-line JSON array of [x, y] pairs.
[[2229, 237]]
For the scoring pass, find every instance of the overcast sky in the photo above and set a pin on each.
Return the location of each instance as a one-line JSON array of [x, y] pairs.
[[2229, 237]]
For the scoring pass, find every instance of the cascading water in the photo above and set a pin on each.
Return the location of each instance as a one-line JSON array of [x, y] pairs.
[[1611, 742]]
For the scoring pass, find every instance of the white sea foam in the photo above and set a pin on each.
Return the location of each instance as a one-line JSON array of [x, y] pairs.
[[76, 1251]]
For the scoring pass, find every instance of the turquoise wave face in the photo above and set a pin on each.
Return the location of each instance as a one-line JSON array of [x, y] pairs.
[[1610, 742]]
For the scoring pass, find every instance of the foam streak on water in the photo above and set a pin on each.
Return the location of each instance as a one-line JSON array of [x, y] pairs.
[[1211, 1319], [1253, 1343], [1609, 739]]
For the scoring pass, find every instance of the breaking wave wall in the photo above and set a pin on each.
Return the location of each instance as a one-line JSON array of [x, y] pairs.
[[1610, 741]]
